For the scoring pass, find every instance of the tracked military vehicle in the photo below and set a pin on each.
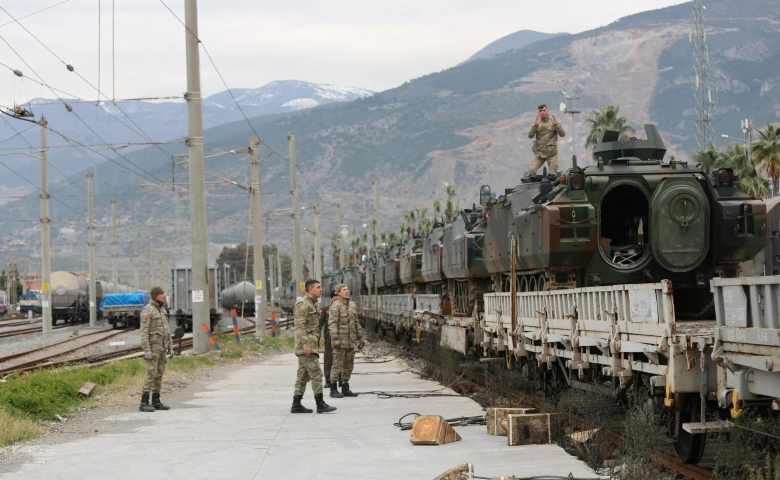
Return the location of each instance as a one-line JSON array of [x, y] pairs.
[[631, 218]]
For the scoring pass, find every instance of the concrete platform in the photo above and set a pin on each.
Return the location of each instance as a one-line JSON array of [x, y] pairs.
[[240, 427]]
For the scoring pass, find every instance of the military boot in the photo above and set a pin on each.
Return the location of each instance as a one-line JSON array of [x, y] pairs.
[[145, 407], [334, 391], [327, 381], [297, 407], [157, 404], [322, 407], [347, 392]]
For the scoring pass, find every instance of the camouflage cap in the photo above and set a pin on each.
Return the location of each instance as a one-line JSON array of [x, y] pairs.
[[339, 287]]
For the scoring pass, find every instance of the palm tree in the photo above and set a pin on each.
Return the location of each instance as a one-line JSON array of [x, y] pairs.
[[708, 158], [335, 247], [607, 118], [766, 154], [436, 210], [449, 210], [735, 157], [423, 213]]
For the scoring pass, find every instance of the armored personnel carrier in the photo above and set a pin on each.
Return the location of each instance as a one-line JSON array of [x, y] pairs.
[[631, 218]]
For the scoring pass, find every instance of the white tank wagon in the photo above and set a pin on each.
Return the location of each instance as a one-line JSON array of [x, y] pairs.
[[70, 296], [241, 297]]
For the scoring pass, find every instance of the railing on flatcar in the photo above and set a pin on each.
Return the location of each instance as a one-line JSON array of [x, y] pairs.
[[747, 340]]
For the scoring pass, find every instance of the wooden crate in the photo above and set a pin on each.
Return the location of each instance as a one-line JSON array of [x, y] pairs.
[[496, 419], [432, 430], [534, 428]]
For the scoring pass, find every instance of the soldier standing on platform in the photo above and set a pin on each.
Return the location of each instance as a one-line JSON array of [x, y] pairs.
[[345, 335], [546, 129], [307, 339], [328, 360], [155, 342]]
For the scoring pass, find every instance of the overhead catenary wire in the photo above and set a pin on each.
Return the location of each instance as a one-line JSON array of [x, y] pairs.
[[243, 114], [35, 13], [70, 68]]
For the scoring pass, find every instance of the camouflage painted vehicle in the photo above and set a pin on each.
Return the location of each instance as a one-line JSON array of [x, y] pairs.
[[411, 265], [392, 270], [432, 248], [462, 261], [631, 218]]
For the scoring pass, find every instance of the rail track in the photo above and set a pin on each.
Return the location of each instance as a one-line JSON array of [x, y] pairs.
[[686, 471], [100, 358], [29, 330]]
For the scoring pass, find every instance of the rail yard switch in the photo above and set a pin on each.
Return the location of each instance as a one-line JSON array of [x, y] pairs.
[[432, 430], [534, 429], [496, 419], [86, 390]]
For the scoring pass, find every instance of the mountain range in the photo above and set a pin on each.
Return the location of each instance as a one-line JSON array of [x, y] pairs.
[[465, 125]]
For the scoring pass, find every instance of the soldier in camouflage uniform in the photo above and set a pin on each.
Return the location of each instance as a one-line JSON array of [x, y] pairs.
[[345, 335], [546, 129], [155, 342], [328, 360], [307, 339]]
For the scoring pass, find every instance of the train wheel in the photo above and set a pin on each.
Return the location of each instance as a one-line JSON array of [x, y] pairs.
[[689, 448]]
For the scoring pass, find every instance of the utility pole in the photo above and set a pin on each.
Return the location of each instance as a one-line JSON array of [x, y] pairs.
[[91, 245], [297, 273], [259, 263], [114, 271], [135, 258], [376, 211], [317, 242], [271, 279], [279, 268], [200, 291], [45, 220], [569, 105], [24, 275], [149, 284], [341, 235]]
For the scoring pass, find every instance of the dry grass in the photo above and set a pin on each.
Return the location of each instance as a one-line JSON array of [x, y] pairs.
[[17, 429]]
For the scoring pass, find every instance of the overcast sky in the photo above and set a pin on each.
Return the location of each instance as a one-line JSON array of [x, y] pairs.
[[376, 44]]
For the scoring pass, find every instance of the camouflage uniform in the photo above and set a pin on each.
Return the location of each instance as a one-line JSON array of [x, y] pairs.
[[346, 335], [546, 144], [306, 319], [155, 339], [328, 360]]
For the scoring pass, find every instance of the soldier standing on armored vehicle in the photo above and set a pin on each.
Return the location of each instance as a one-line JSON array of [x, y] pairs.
[[307, 338], [345, 335], [155, 341], [546, 129]]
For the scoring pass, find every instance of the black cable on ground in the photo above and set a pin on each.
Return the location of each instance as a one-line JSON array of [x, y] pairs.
[[455, 422]]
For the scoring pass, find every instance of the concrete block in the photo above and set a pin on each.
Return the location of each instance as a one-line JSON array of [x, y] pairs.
[[86, 390], [496, 418], [534, 429]]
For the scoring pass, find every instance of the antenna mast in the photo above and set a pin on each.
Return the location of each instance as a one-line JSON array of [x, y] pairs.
[[703, 88]]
